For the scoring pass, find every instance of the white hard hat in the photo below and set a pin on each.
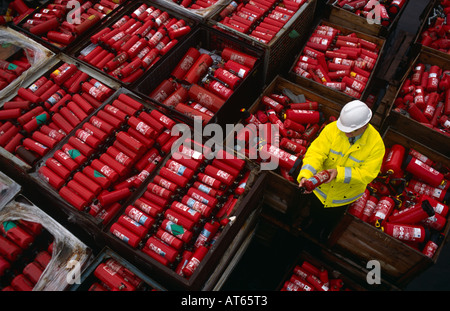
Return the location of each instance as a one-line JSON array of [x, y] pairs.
[[353, 116]]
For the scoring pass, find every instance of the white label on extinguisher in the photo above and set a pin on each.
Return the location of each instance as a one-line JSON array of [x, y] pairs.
[[143, 175], [192, 264], [156, 249], [204, 189], [205, 99], [439, 208], [237, 58], [106, 170], [437, 193], [187, 63], [157, 190], [223, 174], [83, 135], [121, 158], [119, 36], [383, 208], [357, 86], [52, 133], [109, 270], [94, 91], [406, 233], [429, 168], [208, 180], [142, 127], [135, 214], [430, 249], [164, 183], [120, 235], [167, 237]]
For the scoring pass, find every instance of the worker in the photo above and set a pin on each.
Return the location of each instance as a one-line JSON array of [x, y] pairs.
[[352, 151]]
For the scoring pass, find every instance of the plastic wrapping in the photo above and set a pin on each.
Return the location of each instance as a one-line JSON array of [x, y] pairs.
[[36, 54], [8, 189], [69, 255]]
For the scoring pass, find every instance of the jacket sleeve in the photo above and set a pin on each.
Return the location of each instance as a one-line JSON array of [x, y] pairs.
[[316, 155], [369, 169]]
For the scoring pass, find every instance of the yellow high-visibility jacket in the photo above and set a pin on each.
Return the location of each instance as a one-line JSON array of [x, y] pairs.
[[357, 165]]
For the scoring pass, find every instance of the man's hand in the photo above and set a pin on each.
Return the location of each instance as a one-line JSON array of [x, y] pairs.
[[300, 184], [333, 174]]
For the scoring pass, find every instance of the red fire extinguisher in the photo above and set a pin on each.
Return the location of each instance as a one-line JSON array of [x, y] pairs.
[[413, 214], [195, 260], [112, 279], [9, 250], [13, 232], [312, 183], [433, 244], [424, 172], [442, 195], [357, 207], [382, 210], [369, 208], [404, 232], [394, 159]]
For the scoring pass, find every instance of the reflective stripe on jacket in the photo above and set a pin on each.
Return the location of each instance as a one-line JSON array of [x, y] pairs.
[[357, 165]]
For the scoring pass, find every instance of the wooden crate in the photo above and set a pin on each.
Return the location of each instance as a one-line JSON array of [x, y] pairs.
[[210, 39], [434, 139], [9, 162], [80, 49], [283, 47], [350, 20], [83, 218], [424, 26], [361, 242], [327, 92], [337, 268], [55, 47], [87, 277]]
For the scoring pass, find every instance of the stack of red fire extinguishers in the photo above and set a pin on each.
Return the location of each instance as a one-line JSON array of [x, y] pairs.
[[298, 120], [111, 275], [17, 10], [41, 115], [341, 62], [203, 81], [408, 200], [25, 251], [185, 207], [109, 157], [55, 24], [259, 19], [425, 97], [308, 277], [13, 68], [435, 34], [385, 10], [132, 45]]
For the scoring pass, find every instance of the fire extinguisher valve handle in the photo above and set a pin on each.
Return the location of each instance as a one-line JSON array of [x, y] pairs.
[[426, 206]]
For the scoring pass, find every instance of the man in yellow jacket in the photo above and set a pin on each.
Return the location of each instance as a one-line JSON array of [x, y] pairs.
[[352, 151]]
